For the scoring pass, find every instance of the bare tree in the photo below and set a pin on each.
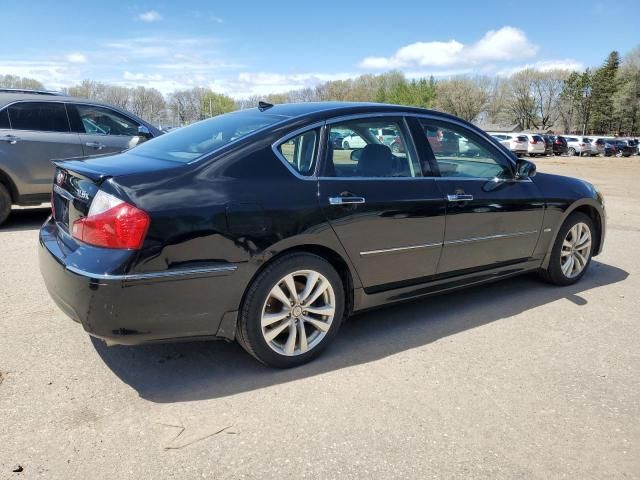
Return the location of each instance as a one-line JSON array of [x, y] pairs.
[[462, 96], [14, 81], [546, 89]]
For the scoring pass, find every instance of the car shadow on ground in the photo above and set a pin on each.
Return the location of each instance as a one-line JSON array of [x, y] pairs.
[[181, 372], [25, 219]]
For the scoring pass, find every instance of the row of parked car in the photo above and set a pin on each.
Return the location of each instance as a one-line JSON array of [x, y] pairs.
[[534, 144]]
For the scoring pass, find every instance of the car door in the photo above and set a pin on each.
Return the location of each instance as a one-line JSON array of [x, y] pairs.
[[103, 130], [388, 216], [39, 133], [493, 218]]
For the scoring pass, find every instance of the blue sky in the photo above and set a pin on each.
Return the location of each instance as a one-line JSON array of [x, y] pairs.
[[244, 48]]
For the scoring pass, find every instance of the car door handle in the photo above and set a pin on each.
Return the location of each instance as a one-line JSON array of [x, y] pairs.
[[345, 200], [11, 139], [459, 197], [96, 145]]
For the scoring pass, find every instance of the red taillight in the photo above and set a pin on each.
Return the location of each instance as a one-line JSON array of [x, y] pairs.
[[112, 223], [532, 142]]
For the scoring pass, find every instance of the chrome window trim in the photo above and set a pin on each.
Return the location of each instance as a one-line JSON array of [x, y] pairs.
[[153, 275], [489, 237], [400, 249], [295, 133]]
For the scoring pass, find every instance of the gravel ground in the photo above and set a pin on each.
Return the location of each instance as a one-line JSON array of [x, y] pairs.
[[512, 380]]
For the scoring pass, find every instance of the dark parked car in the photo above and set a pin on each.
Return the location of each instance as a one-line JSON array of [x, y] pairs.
[[548, 144], [336, 139], [604, 147], [560, 146], [38, 126], [249, 226], [621, 148]]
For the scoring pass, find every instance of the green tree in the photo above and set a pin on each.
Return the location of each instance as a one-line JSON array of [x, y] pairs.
[[627, 97], [604, 88], [216, 104]]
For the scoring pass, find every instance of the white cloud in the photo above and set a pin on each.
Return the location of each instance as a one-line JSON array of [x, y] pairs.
[[150, 16], [77, 58], [216, 19], [545, 66], [505, 44]]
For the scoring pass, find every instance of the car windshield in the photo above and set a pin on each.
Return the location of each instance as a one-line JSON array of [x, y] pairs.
[[192, 142]]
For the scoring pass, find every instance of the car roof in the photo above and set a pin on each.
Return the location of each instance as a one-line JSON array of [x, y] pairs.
[[309, 109], [8, 96]]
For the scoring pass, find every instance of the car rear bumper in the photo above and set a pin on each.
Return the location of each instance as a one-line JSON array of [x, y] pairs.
[[137, 308]]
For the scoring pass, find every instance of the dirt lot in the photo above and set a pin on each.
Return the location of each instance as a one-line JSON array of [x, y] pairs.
[[513, 380]]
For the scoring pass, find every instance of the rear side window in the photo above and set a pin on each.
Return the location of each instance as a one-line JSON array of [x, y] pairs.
[[4, 119], [39, 116], [300, 152]]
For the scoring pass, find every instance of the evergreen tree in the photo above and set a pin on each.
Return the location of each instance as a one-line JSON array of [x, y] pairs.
[[604, 87]]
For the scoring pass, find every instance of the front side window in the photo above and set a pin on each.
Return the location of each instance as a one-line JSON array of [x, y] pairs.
[[103, 121], [300, 152], [373, 148], [39, 116], [460, 153]]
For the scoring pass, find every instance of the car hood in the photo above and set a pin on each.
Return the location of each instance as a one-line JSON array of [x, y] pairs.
[[126, 163]]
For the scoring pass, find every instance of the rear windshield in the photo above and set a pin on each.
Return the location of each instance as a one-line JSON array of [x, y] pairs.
[[190, 143]]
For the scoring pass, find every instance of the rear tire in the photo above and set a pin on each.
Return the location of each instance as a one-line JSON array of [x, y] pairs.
[[5, 204], [572, 152], [287, 334], [572, 250]]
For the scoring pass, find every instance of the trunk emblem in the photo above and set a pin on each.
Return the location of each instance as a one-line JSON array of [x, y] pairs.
[[60, 177]]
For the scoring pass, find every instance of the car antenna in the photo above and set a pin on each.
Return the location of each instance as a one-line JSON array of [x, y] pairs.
[[262, 106]]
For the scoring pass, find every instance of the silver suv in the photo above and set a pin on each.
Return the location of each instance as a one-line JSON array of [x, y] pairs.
[[37, 127]]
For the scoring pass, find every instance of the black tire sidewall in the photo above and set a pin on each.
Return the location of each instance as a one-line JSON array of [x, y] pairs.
[[251, 331], [5, 204], [555, 269]]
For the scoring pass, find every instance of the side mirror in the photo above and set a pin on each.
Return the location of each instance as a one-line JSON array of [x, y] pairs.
[[525, 169], [143, 131], [355, 154]]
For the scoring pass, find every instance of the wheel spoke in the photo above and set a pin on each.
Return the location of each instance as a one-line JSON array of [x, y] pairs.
[[324, 310], [320, 289], [319, 324], [581, 260], [302, 334], [271, 318], [279, 295], [275, 331], [566, 244], [290, 346], [566, 267], [312, 279], [291, 286], [564, 253], [574, 234]]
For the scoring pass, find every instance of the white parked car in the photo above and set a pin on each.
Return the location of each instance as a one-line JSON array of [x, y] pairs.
[[579, 145], [353, 141], [535, 144], [386, 136], [516, 142]]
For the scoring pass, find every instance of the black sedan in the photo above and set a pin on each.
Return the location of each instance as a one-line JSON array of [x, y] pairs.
[[251, 226]]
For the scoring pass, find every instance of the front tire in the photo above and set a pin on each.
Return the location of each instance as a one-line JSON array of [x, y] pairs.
[[292, 310], [5, 204], [572, 250]]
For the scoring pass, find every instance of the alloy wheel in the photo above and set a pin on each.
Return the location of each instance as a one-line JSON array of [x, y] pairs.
[[298, 312], [575, 251]]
